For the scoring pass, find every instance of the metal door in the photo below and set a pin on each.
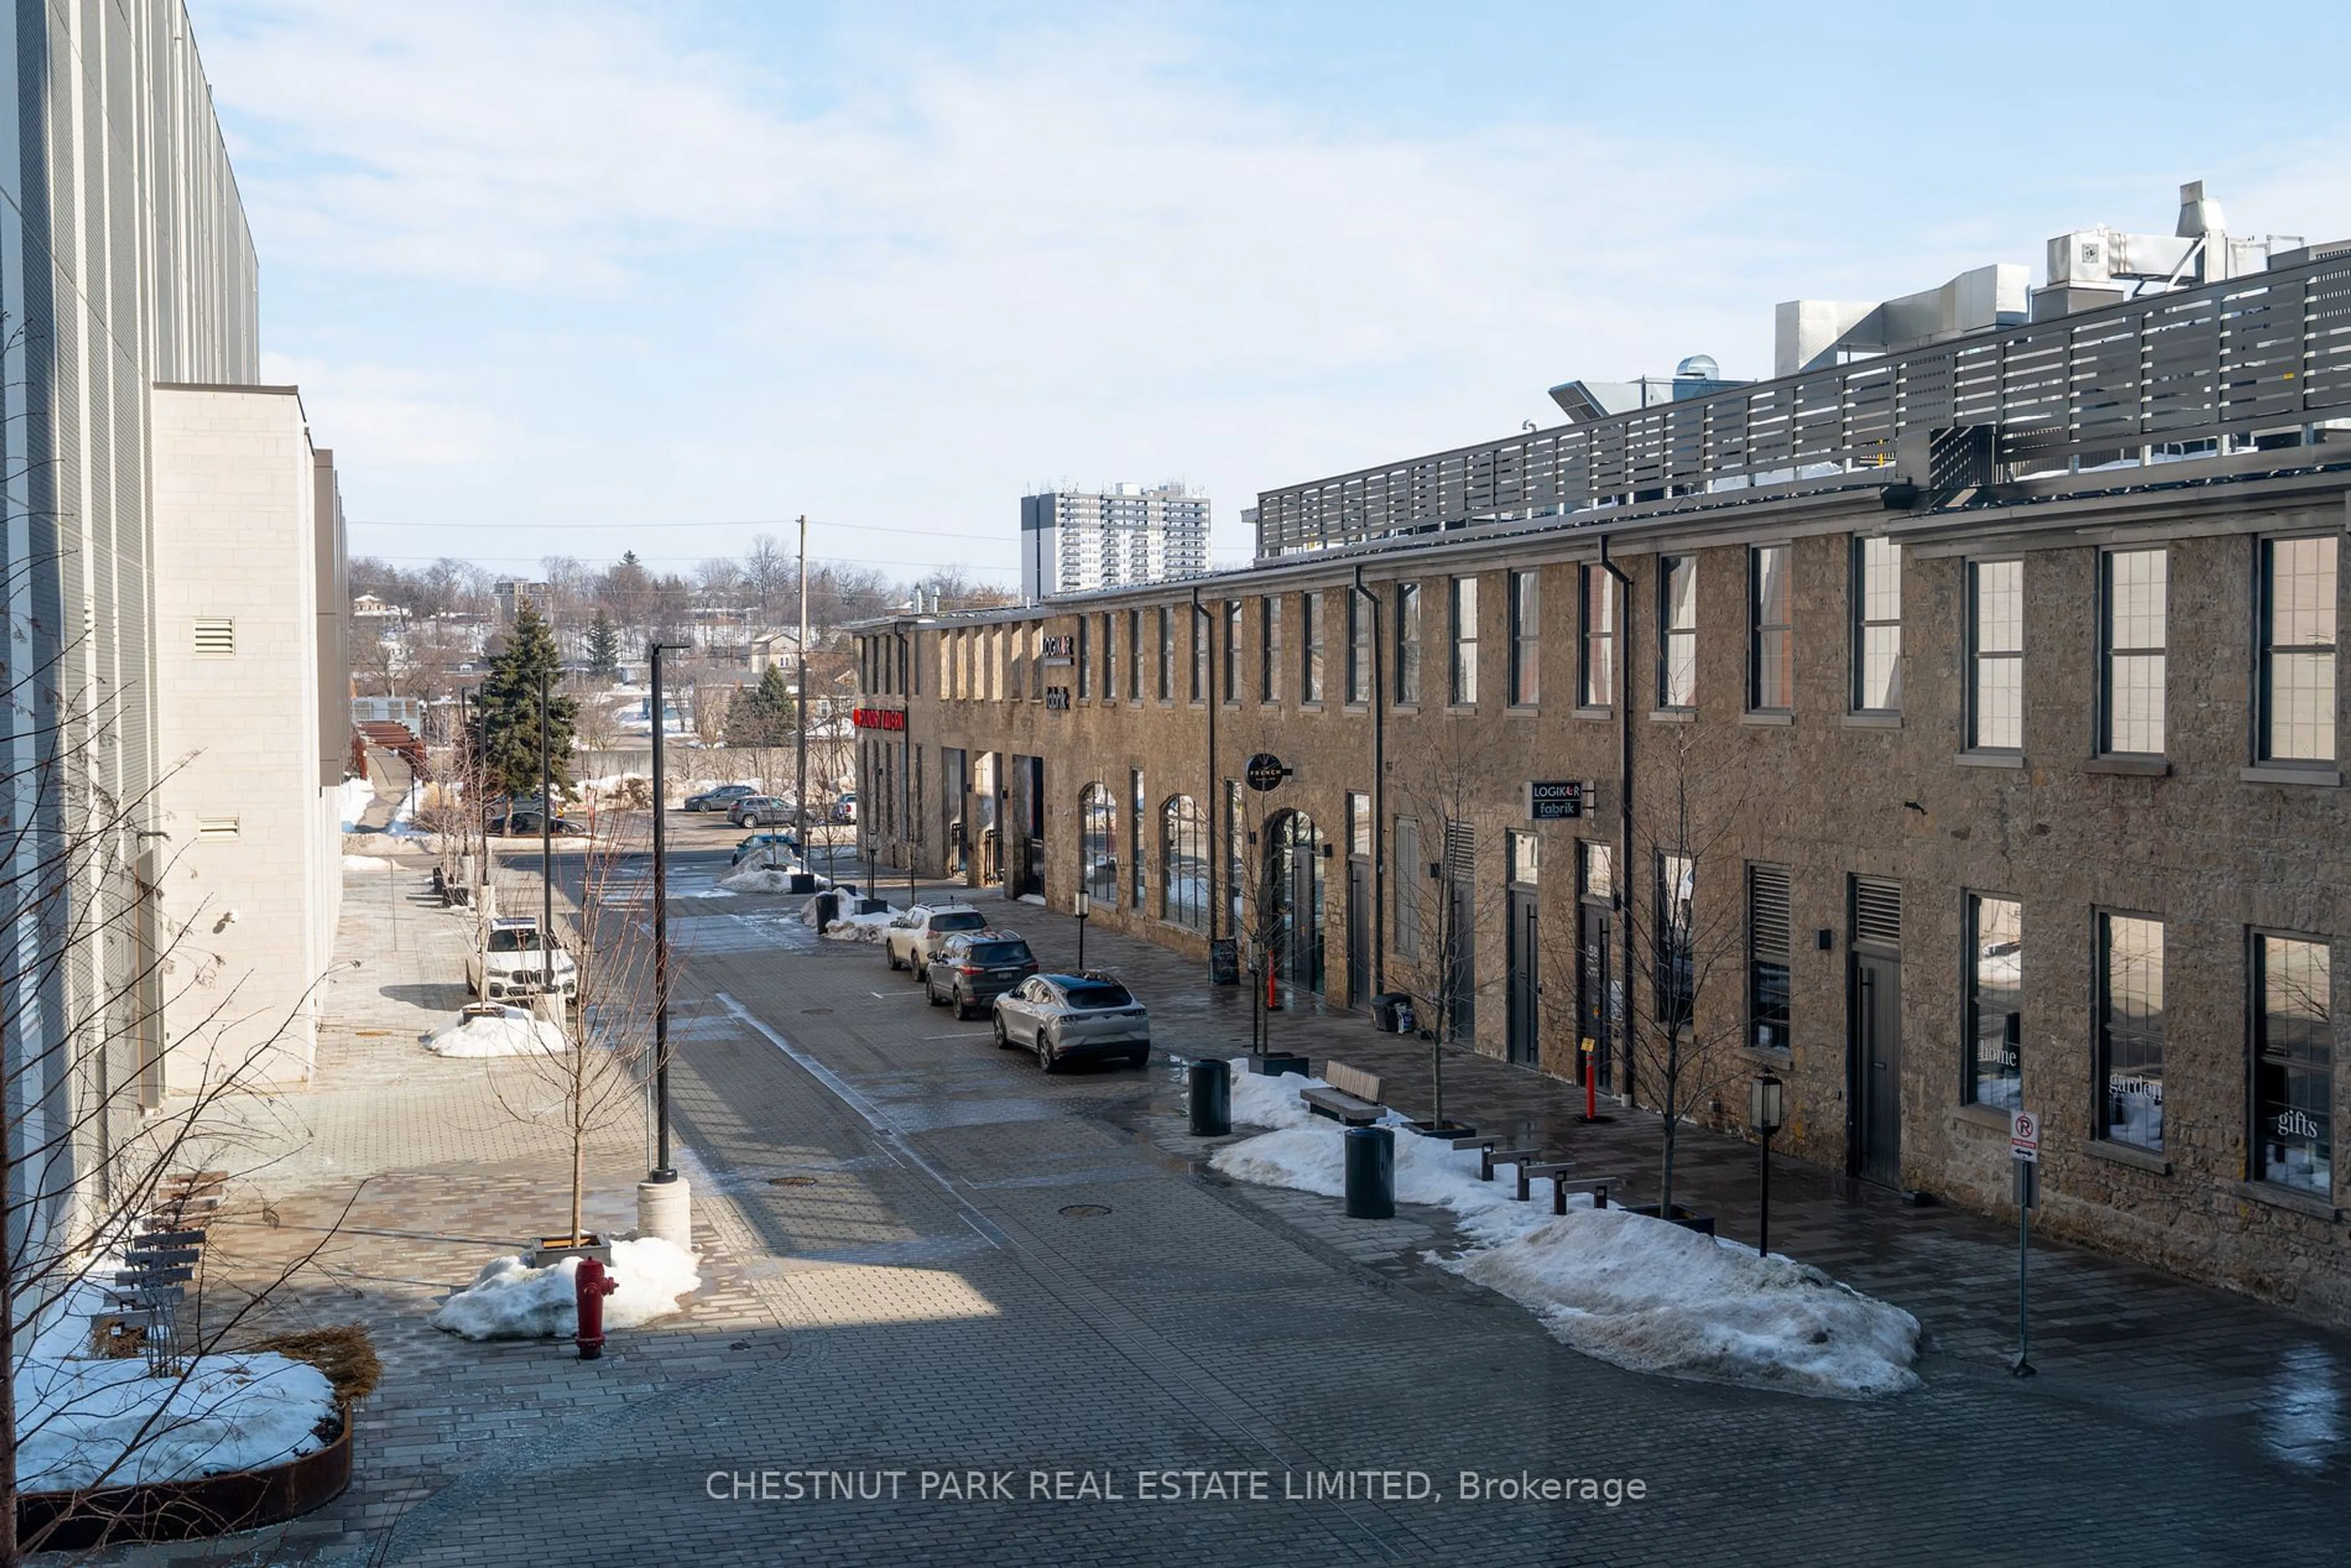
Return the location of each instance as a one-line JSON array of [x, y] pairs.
[[1599, 1005], [1877, 1068], [1358, 932], [1525, 1022]]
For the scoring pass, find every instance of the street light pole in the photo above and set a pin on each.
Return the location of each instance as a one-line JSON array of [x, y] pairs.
[[1766, 1113], [664, 1198], [546, 856], [800, 791]]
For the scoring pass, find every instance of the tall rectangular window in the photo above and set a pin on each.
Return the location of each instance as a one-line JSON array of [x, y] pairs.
[[1767, 944], [1269, 633], [1135, 835], [1085, 657], [1995, 1003], [2293, 1064], [1995, 656], [1110, 657], [1877, 626], [1232, 650], [1201, 627], [1236, 841], [2298, 653], [1597, 635], [1359, 648], [1677, 632], [1166, 653], [1771, 631], [1525, 638], [2131, 595], [1407, 640], [1359, 823], [1673, 911], [1309, 647], [2130, 1029], [1407, 876], [1464, 642], [1134, 656]]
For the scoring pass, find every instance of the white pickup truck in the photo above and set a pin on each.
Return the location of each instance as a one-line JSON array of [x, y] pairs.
[[509, 963]]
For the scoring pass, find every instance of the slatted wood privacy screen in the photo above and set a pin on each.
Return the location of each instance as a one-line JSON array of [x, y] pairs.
[[2265, 353]]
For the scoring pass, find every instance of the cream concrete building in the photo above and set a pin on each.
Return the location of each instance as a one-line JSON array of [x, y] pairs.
[[252, 709]]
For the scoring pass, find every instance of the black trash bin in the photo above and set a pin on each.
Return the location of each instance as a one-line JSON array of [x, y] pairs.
[[1384, 1008], [1212, 1098], [1371, 1173], [828, 909]]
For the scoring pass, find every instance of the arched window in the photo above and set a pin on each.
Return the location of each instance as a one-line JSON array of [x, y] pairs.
[[1097, 853], [1183, 853]]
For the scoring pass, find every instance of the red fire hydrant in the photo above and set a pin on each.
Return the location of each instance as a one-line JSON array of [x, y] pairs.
[[590, 1285]]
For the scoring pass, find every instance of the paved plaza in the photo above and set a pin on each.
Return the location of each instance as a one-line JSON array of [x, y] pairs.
[[956, 1310]]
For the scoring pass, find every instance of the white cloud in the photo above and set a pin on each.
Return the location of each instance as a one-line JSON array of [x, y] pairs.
[[1074, 255]]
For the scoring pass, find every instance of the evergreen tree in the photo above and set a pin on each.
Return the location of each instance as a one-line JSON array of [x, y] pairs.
[[506, 733], [761, 714], [603, 647]]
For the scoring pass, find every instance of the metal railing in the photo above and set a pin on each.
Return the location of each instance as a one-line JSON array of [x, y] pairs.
[[2264, 354]]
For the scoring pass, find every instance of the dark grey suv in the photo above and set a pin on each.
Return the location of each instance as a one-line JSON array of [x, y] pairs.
[[973, 968]]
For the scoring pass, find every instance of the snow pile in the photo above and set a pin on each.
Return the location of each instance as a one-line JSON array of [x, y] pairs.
[[511, 1299], [1654, 1297], [509, 1031], [757, 879], [352, 801], [861, 927], [365, 863], [77, 1415], [1639, 1292]]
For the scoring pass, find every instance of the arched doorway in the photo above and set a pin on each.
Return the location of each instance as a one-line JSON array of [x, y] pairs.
[[1294, 898]]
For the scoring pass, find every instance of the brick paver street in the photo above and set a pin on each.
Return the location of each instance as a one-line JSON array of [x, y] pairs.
[[924, 1255]]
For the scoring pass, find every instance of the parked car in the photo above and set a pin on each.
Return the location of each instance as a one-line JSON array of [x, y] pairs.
[[528, 822], [508, 962], [758, 842], [910, 941], [844, 809], [1065, 1018], [972, 968], [756, 811], [718, 799]]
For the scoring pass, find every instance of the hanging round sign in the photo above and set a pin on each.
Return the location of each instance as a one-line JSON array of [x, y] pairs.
[[1265, 772]]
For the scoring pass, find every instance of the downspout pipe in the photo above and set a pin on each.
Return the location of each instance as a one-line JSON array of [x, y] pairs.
[[1379, 791], [1213, 797], [1624, 1063]]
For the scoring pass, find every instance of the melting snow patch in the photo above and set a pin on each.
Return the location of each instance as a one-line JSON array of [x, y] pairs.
[[1642, 1293], [77, 1416], [366, 862], [511, 1299], [510, 1031]]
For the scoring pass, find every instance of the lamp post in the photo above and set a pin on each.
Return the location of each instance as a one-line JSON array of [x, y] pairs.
[[664, 1198], [1767, 1113], [1082, 904]]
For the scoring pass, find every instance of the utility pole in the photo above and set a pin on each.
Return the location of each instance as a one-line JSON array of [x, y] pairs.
[[664, 1198], [799, 792]]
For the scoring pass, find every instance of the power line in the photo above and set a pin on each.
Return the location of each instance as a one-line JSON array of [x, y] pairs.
[[751, 523], [675, 559]]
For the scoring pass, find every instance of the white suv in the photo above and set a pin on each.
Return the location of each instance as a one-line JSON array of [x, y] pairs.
[[911, 941], [509, 964]]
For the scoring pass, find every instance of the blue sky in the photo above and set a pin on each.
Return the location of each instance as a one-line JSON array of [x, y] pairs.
[[574, 277]]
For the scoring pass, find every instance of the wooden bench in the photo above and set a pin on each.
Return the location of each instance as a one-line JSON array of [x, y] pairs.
[[1490, 1153], [1562, 1184], [1352, 1097]]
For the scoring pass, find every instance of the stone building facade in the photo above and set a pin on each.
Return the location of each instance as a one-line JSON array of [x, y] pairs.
[[2112, 899]]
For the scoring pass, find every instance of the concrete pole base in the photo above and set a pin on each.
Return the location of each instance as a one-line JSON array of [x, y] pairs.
[[665, 1208]]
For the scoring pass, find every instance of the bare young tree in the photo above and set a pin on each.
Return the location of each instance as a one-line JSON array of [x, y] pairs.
[[599, 1081], [1442, 897], [1686, 907]]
